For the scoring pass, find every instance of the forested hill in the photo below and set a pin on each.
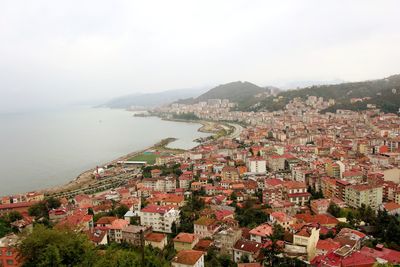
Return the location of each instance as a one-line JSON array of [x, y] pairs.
[[384, 93], [243, 93]]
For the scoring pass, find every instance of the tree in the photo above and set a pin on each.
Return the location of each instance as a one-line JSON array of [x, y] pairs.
[[259, 195], [52, 203], [51, 257], [342, 225], [42, 208], [278, 232], [351, 219], [62, 247], [5, 227], [14, 216], [90, 211], [248, 216], [244, 259], [118, 257], [134, 220], [121, 211], [270, 252], [190, 213], [234, 196], [315, 194], [334, 210]]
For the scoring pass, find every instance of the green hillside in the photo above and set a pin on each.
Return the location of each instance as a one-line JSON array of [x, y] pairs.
[[380, 92], [244, 93]]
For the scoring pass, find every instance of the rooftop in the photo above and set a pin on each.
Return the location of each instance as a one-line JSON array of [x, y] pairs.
[[188, 257]]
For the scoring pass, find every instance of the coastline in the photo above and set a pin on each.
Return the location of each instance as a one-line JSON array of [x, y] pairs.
[[212, 127], [86, 178]]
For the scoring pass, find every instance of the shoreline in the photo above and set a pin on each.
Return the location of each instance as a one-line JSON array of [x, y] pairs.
[[212, 127], [86, 178]]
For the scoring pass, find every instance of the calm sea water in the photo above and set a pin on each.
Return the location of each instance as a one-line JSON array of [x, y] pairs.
[[43, 149]]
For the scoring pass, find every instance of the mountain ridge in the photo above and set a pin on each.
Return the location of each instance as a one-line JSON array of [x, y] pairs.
[[378, 91], [149, 100]]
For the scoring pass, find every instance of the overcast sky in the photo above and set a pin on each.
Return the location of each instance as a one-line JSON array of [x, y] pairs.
[[73, 51]]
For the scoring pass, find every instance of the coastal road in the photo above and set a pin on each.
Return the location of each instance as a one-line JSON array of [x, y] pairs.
[[238, 130]]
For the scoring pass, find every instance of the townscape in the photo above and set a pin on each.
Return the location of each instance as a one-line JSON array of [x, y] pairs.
[[295, 187]]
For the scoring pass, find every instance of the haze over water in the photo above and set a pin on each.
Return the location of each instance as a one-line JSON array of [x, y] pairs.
[[44, 149]]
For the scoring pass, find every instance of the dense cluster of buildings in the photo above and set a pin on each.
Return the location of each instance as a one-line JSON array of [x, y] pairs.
[[352, 158]]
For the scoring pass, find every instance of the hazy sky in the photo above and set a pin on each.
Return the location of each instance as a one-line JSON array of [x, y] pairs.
[[73, 51]]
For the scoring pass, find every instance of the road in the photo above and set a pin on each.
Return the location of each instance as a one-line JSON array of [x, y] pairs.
[[238, 130]]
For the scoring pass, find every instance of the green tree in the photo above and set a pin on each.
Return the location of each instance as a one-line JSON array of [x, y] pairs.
[[274, 249], [14, 216], [42, 208], [51, 257], [244, 259], [248, 216], [5, 227], [351, 220], [63, 247], [121, 211], [334, 210], [52, 203]]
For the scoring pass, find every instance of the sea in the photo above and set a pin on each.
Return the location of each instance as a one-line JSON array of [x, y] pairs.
[[42, 149]]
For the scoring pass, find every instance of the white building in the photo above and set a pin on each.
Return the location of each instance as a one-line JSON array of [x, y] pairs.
[[161, 218], [163, 184], [257, 165]]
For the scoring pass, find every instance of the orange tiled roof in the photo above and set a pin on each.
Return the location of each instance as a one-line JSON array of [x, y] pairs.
[[155, 237], [185, 238], [187, 257]]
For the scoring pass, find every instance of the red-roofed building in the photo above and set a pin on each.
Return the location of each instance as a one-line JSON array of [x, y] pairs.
[[79, 220], [205, 227], [296, 192], [105, 221], [321, 219], [261, 233], [392, 208], [203, 245], [246, 248], [8, 251], [282, 219], [98, 236], [156, 240], [55, 215], [185, 241], [83, 201], [115, 230], [188, 258], [382, 253], [21, 207], [223, 214], [357, 259], [326, 246], [350, 240], [320, 206]]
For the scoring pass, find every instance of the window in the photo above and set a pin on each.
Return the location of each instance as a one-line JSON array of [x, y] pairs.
[[10, 262], [9, 253]]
